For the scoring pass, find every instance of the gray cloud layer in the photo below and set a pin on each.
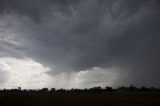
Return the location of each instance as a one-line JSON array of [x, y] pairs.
[[74, 35]]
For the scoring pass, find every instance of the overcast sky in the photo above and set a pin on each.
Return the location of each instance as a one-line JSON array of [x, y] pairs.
[[79, 43]]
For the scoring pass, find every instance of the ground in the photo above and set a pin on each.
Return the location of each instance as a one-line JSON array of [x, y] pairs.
[[80, 99]]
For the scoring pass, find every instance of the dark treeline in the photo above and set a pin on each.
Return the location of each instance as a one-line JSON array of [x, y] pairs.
[[130, 88]]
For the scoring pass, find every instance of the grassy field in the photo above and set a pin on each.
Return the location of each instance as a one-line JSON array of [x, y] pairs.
[[80, 99]]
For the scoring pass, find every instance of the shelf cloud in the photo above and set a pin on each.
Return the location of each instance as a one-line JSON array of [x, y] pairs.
[[81, 43]]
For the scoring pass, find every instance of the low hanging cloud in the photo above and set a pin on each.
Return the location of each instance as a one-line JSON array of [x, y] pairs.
[[71, 37], [85, 78]]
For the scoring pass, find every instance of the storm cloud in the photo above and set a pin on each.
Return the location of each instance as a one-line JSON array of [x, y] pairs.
[[94, 37]]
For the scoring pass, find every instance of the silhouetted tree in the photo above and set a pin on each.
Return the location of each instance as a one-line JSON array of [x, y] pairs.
[[132, 89], [61, 90], [53, 90], [19, 88], [122, 89], [44, 90], [109, 89], [96, 89], [143, 89]]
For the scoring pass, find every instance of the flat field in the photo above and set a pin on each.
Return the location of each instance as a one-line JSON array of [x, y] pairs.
[[80, 99]]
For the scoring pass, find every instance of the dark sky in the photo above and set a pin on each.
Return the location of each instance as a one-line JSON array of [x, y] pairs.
[[79, 43]]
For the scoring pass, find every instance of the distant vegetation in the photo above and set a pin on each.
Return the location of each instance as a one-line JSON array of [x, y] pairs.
[[96, 96], [98, 89]]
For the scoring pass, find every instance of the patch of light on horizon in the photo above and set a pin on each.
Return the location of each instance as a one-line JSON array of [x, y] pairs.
[[25, 73]]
